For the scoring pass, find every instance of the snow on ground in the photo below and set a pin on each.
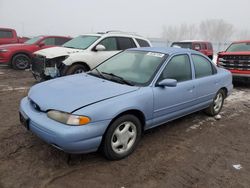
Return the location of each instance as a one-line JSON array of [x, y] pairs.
[[239, 95]]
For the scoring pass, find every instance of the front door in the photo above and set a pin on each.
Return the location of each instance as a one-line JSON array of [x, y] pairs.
[[172, 102]]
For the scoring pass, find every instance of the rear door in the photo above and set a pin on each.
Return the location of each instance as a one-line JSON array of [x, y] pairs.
[[206, 80], [171, 102]]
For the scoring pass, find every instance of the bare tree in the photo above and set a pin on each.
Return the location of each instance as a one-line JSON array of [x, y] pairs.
[[181, 32], [216, 30], [243, 35], [170, 33]]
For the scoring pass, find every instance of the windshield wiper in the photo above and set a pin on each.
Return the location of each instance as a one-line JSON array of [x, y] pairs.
[[69, 47], [99, 73], [121, 79]]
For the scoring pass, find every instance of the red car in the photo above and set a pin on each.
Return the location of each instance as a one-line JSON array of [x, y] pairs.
[[202, 46], [19, 55], [9, 36], [236, 59]]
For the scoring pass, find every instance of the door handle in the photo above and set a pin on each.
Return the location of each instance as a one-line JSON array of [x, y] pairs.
[[191, 89]]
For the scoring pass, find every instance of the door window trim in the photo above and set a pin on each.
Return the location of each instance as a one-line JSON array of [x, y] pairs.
[[166, 64], [214, 69]]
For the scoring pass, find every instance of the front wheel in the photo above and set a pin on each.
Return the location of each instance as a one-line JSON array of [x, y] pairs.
[[76, 69], [20, 62], [217, 104], [122, 137]]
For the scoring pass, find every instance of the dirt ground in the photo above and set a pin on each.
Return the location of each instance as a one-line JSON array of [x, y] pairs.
[[194, 151]]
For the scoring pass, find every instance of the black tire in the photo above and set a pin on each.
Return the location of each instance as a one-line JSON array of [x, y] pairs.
[[76, 69], [216, 106], [21, 62], [131, 143]]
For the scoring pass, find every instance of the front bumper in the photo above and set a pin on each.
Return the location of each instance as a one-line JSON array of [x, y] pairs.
[[71, 139]]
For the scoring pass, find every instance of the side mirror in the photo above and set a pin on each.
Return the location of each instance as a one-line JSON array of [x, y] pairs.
[[41, 44], [100, 47], [197, 48], [167, 83]]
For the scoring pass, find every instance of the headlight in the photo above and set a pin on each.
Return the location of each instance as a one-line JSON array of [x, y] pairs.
[[67, 118], [3, 50]]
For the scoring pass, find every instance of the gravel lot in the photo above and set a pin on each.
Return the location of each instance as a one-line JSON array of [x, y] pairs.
[[194, 151]]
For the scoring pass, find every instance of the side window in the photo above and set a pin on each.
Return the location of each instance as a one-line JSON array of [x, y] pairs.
[[179, 68], [125, 43], [142, 43], [49, 41], [60, 41], [202, 66], [209, 46], [109, 43], [6, 34], [203, 46]]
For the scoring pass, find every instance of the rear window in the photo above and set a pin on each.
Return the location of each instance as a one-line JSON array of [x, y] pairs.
[[6, 34], [142, 43], [182, 45]]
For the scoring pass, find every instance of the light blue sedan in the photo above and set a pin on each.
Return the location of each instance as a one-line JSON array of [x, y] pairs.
[[135, 90]]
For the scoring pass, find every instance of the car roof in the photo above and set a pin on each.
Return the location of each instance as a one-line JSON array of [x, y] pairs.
[[164, 50], [200, 41], [242, 41], [116, 33]]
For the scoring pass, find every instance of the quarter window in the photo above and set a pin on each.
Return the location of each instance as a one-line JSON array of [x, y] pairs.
[[109, 43], [142, 43], [202, 66], [178, 68]]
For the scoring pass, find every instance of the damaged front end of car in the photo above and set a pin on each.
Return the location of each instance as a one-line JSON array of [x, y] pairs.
[[43, 68]]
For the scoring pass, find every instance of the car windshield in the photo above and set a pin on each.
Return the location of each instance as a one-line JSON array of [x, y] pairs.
[[133, 67], [182, 45], [81, 42], [239, 47], [33, 40]]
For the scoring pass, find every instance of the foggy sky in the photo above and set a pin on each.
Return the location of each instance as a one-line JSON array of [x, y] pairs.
[[75, 17]]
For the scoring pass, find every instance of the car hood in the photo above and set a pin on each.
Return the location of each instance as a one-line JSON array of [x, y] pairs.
[[235, 53], [72, 92], [57, 52], [10, 46]]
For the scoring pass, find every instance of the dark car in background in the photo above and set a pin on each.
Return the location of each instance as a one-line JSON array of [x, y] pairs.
[[19, 55], [236, 59], [202, 46]]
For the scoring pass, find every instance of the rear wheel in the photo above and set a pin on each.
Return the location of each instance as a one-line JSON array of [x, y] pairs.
[[20, 62], [76, 69], [121, 137], [217, 104]]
